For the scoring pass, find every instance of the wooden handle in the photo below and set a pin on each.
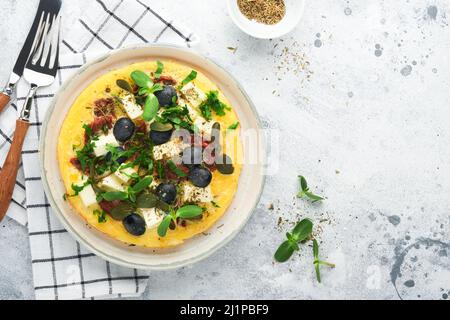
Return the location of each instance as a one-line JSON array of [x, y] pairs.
[[4, 100], [11, 166]]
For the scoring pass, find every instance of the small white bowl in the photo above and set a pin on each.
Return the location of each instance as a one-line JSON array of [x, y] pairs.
[[294, 12]]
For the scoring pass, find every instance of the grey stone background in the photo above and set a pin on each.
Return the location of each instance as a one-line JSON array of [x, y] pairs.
[[360, 95]]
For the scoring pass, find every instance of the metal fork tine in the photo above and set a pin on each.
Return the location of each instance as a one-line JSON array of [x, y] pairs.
[[37, 37], [38, 54], [48, 42], [53, 63]]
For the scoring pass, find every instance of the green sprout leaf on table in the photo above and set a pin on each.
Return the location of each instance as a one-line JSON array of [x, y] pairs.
[[185, 212], [305, 192], [301, 232], [318, 262]]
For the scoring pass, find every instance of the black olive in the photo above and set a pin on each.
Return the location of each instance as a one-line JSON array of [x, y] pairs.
[[166, 192], [123, 129], [192, 156], [200, 177], [120, 159], [224, 164], [159, 137], [166, 95], [134, 224]]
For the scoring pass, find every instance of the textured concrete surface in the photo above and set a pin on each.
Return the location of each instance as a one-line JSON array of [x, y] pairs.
[[359, 92]]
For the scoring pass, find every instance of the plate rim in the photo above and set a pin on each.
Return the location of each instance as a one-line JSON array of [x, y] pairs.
[[68, 226]]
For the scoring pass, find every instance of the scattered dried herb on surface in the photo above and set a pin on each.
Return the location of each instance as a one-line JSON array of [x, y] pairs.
[[263, 11]]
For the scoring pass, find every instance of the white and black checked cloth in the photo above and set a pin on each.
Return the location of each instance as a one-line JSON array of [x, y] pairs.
[[62, 269]]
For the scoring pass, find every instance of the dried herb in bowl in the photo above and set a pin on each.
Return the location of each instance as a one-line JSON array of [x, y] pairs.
[[263, 11]]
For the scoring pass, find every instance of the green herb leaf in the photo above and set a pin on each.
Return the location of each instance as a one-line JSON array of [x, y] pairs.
[[150, 108], [115, 195], [123, 84], [303, 183], [173, 167], [101, 216], [305, 193], [142, 184], [302, 230], [317, 262], [189, 211], [191, 76], [141, 79], [87, 130], [214, 204], [233, 126], [156, 87], [122, 211], [78, 188], [284, 251], [164, 225], [160, 170], [159, 69], [147, 200], [212, 103]]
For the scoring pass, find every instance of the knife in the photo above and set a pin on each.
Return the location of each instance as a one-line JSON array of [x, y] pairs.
[[5, 96]]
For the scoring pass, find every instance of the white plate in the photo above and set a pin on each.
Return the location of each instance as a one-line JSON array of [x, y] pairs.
[[250, 184], [294, 12]]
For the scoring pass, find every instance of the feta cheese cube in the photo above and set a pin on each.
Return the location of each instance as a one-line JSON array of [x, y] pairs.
[[123, 174], [192, 193], [152, 216], [88, 196], [100, 145], [193, 94], [168, 150], [132, 109], [111, 183]]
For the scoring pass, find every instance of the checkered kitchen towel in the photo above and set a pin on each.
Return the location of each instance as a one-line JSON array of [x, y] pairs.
[[63, 269]]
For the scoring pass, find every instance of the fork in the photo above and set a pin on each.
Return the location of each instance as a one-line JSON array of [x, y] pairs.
[[40, 71]]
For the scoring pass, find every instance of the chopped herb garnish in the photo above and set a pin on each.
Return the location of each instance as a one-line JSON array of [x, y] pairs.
[[233, 126], [88, 130], [191, 76], [77, 189], [159, 69], [101, 215], [212, 103], [305, 193], [215, 205], [160, 170], [173, 167]]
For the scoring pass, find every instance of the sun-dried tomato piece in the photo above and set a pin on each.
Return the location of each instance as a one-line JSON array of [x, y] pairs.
[[104, 107], [107, 206], [166, 79], [98, 124]]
